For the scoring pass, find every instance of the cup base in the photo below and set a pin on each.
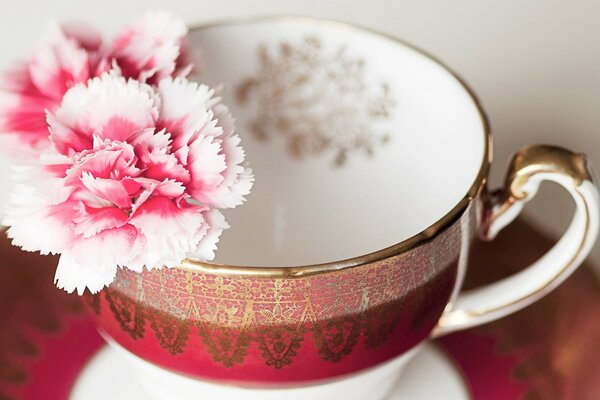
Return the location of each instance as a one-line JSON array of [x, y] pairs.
[[108, 377]]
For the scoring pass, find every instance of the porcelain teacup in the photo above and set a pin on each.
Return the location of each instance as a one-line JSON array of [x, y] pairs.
[[371, 160]]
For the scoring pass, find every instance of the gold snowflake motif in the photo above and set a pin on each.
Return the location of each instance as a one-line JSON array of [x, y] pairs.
[[318, 100]]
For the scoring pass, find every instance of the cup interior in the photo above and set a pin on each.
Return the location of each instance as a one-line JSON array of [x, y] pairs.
[[357, 140]]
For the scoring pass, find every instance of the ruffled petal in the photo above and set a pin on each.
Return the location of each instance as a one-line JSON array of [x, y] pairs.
[[58, 64], [161, 165], [206, 165], [66, 56], [170, 231], [90, 221], [109, 190], [86, 36], [72, 275], [109, 107], [203, 137], [113, 160], [45, 179], [149, 139], [205, 251], [66, 139], [93, 262], [238, 178], [149, 48], [17, 80], [36, 226], [185, 112], [23, 128]]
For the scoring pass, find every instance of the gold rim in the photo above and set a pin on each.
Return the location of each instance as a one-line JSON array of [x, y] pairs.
[[396, 249]]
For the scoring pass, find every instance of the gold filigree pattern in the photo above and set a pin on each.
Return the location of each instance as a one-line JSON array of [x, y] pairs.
[[171, 334], [280, 332], [231, 315], [279, 344], [226, 345], [318, 99], [128, 313], [336, 338], [382, 324]]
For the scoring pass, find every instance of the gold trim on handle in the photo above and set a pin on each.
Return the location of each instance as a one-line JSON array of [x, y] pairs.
[[401, 247], [536, 159], [528, 162]]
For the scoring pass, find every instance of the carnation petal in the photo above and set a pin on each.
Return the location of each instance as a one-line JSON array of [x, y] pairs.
[[149, 49], [238, 179], [150, 139], [17, 80], [44, 179], [58, 64], [87, 37], [170, 188], [66, 139], [23, 123], [104, 161], [90, 221], [98, 257], [109, 107], [185, 110], [33, 224], [206, 164], [202, 129], [205, 251], [170, 231], [65, 57], [161, 165], [72, 275], [112, 191]]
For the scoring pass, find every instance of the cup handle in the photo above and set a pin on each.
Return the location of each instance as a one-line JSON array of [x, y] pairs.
[[531, 166]]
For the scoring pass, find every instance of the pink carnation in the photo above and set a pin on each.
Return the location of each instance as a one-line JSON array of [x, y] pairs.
[[134, 178], [149, 50], [66, 57], [152, 48]]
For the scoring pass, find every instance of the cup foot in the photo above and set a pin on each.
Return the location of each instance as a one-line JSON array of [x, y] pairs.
[[107, 377]]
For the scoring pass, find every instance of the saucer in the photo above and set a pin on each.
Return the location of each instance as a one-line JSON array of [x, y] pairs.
[[105, 377]]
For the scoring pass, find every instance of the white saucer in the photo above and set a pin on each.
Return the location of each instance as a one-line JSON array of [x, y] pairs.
[[430, 375]]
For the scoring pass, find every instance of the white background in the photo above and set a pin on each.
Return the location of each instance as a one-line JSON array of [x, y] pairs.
[[534, 64]]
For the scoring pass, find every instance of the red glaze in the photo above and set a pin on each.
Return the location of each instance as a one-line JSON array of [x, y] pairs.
[[268, 331]]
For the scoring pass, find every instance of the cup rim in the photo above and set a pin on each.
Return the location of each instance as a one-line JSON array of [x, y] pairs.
[[290, 272]]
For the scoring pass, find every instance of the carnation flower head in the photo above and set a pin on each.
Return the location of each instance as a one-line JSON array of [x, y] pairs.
[[152, 48], [148, 50], [134, 178], [65, 57]]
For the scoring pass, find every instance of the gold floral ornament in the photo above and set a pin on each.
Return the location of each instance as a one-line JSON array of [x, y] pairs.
[[318, 100]]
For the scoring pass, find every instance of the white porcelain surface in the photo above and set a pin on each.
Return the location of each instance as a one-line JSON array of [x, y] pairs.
[[308, 210], [106, 377]]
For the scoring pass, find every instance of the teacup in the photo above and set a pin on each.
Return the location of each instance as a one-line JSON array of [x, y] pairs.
[[371, 160]]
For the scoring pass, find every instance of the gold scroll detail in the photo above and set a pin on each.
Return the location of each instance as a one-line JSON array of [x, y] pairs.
[[229, 316]]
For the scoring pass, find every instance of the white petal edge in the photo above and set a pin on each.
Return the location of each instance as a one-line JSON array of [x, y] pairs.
[[208, 245], [71, 275]]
